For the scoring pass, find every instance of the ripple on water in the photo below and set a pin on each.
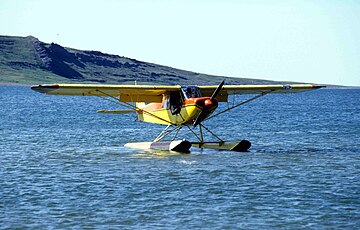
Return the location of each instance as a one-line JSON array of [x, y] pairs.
[[65, 166]]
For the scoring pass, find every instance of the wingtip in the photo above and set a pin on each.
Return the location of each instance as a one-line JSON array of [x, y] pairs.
[[45, 88], [319, 86]]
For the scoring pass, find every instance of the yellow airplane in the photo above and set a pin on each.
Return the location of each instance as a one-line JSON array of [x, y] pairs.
[[174, 106]]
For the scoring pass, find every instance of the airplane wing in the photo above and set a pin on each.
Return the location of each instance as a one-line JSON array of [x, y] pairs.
[[127, 93], [206, 91], [152, 93]]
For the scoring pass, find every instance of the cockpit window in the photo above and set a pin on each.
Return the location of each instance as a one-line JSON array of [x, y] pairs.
[[173, 101], [191, 92]]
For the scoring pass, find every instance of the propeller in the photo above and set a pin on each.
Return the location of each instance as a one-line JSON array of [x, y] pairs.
[[201, 115], [217, 90]]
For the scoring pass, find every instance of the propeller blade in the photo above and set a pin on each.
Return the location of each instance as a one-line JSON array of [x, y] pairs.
[[201, 117], [217, 90]]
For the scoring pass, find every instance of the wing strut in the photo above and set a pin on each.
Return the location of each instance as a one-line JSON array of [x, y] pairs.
[[235, 106], [166, 132]]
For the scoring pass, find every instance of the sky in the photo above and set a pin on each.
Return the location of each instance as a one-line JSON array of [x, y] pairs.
[[303, 41]]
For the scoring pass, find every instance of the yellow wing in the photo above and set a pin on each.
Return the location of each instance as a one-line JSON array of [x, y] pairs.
[[151, 93], [206, 91], [127, 93]]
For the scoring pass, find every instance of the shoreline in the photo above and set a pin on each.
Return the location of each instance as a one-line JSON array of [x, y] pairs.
[[13, 84]]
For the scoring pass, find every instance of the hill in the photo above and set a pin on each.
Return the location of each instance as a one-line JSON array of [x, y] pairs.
[[26, 60]]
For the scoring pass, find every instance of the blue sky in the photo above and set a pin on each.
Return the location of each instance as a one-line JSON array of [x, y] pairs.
[[306, 41]]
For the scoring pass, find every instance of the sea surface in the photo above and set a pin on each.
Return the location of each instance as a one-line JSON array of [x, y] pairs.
[[64, 166]]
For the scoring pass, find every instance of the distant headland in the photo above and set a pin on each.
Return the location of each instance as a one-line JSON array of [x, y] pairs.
[[27, 60]]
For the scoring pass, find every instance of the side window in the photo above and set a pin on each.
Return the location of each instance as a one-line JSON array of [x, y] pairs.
[[175, 102], [166, 104]]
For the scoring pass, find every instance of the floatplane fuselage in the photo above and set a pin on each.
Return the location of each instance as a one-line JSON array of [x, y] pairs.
[[174, 106], [178, 108]]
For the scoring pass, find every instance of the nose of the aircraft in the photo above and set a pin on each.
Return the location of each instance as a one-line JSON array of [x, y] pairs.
[[208, 104]]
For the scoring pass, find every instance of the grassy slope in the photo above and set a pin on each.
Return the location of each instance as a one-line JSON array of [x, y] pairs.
[[22, 62], [19, 62]]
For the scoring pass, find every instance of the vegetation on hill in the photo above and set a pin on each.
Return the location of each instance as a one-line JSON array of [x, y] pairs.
[[26, 60]]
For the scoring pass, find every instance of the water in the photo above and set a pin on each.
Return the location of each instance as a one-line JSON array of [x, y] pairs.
[[64, 166]]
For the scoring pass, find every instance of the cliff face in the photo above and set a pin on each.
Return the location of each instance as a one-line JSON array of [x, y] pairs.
[[27, 60], [57, 60]]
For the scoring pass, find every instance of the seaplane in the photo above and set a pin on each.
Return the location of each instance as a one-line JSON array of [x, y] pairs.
[[175, 107]]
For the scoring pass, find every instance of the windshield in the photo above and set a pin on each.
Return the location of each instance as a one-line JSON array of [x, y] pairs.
[[191, 92]]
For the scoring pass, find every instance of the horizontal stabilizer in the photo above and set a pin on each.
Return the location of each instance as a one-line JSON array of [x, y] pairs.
[[117, 111]]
